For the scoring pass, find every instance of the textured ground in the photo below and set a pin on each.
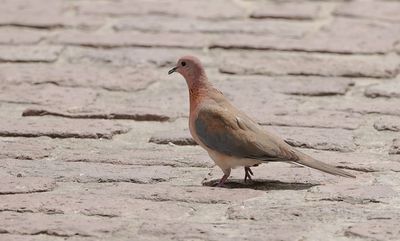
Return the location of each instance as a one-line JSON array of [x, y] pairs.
[[93, 133]]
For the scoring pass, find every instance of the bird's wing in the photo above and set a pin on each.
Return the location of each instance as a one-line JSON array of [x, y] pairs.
[[234, 134]]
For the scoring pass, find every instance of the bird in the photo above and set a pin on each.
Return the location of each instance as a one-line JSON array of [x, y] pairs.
[[231, 138]]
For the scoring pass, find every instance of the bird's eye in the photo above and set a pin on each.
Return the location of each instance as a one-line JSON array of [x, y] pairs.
[[183, 63]]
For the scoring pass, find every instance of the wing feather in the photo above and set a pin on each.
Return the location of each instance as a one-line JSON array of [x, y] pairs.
[[235, 134]]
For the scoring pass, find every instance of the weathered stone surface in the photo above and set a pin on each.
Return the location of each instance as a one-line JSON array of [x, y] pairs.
[[106, 77], [36, 237], [181, 138], [60, 128], [390, 89], [202, 9], [105, 172], [140, 114], [11, 36], [333, 38], [133, 39], [129, 56], [34, 20], [395, 148], [273, 63], [43, 14], [312, 212], [161, 192], [101, 206], [287, 10], [47, 94], [184, 25], [26, 148], [16, 185], [57, 225], [352, 193], [365, 106], [313, 86], [107, 151], [232, 230], [29, 53], [320, 119], [380, 10], [387, 124], [320, 139], [381, 229]]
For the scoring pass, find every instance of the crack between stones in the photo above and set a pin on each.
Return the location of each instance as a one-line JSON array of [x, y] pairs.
[[296, 50], [110, 116], [63, 135], [359, 169]]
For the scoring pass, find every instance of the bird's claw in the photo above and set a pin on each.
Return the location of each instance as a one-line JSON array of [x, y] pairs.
[[247, 174]]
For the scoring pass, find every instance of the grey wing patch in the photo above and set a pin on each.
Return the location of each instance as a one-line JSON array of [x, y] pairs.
[[227, 134], [222, 131]]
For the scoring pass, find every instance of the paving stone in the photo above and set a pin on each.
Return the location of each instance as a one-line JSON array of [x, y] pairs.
[[106, 77], [395, 148], [161, 192], [365, 106], [47, 94], [389, 89], [60, 128], [203, 9], [16, 185], [92, 204], [320, 139], [177, 138], [26, 148], [183, 25], [219, 231], [273, 63], [287, 10], [129, 56], [122, 153], [44, 14], [380, 10], [37, 237], [11, 36], [104, 172], [138, 114], [313, 86], [364, 38], [291, 211], [352, 193], [57, 225], [29, 53], [320, 119], [133, 39], [387, 124], [375, 230]]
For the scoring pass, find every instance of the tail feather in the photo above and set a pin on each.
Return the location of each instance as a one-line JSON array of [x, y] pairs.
[[307, 160]]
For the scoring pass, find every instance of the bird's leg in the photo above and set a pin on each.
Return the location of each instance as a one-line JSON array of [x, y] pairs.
[[247, 174], [227, 173]]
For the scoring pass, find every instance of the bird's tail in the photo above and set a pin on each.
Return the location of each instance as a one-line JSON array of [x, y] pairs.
[[307, 160]]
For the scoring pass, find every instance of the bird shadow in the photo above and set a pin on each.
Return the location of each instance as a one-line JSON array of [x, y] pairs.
[[261, 184]]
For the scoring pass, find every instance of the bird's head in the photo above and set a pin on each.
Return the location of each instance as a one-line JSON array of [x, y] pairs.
[[191, 69]]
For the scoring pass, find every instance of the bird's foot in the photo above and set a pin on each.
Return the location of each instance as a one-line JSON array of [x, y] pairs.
[[247, 174], [222, 181]]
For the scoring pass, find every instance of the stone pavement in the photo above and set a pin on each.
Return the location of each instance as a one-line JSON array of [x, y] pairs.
[[94, 143]]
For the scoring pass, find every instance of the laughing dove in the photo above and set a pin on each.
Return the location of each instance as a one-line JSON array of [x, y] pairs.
[[230, 137]]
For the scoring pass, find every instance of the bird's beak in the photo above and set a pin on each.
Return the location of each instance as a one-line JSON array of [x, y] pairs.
[[172, 70]]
